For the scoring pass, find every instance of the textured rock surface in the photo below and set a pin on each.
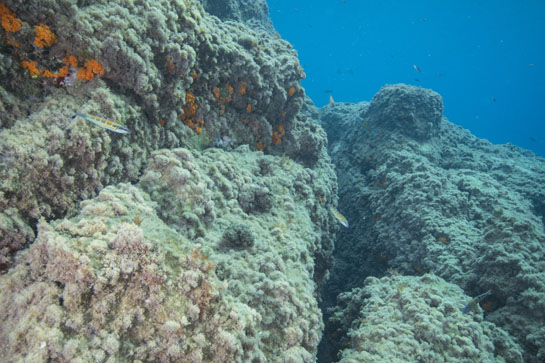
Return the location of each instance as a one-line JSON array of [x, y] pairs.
[[415, 319], [138, 277], [214, 254], [460, 207], [415, 112], [174, 75], [253, 13]]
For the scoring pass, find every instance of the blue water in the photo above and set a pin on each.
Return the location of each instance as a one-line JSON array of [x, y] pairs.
[[486, 58]]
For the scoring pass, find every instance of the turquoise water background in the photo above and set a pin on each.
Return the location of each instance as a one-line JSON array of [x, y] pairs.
[[486, 58]]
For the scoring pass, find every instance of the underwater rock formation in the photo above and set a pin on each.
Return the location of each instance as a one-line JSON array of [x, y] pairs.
[[415, 112], [212, 254], [144, 274], [415, 319], [168, 71], [254, 14], [443, 202]]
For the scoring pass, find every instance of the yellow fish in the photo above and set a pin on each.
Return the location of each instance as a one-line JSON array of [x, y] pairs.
[[339, 216], [104, 123]]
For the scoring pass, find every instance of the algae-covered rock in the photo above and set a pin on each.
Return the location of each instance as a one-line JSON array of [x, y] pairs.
[[450, 204], [410, 110], [141, 273], [116, 283], [238, 235], [170, 72], [415, 319]]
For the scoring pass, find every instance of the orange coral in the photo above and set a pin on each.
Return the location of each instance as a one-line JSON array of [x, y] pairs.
[[32, 68], [71, 61], [189, 97], [92, 67], [63, 72], [249, 108], [10, 23], [48, 74], [216, 92], [259, 145], [291, 91], [230, 89], [194, 75], [278, 133], [12, 42], [44, 36], [189, 117], [242, 88], [84, 74], [170, 64]]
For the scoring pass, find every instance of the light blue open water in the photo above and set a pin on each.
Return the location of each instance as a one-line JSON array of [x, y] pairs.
[[486, 58]]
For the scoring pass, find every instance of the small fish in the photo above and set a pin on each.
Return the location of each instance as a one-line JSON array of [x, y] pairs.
[[470, 306], [367, 127], [103, 122], [328, 91], [493, 99], [417, 69], [339, 216], [331, 102], [532, 139]]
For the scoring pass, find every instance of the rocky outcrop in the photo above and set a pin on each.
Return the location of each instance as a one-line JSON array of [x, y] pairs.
[[427, 196]]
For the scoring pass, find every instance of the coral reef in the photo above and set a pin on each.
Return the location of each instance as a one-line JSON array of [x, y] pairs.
[[167, 70], [440, 201], [415, 319]]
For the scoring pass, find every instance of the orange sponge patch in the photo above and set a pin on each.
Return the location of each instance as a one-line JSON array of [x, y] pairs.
[[291, 91], [9, 22], [94, 67], [71, 61], [278, 133], [32, 68], [44, 36], [91, 68]]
